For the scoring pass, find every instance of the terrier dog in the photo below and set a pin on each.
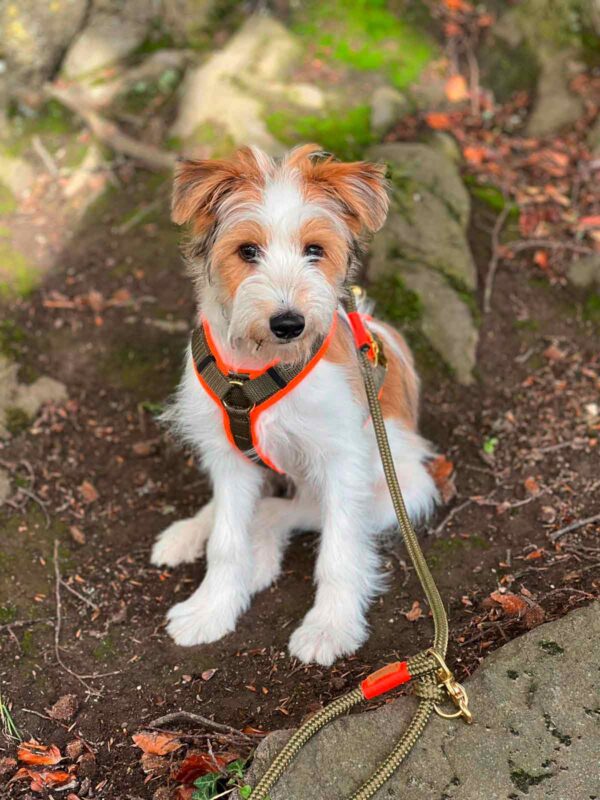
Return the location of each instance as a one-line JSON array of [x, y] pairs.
[[273, 244]]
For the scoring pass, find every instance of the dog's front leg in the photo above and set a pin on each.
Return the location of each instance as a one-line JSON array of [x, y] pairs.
[[213, 609], [347, 569]]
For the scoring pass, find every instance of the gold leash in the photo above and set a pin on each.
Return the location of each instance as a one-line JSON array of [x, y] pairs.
[[434, 680]]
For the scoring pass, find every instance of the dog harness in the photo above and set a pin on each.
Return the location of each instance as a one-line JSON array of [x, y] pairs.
[[243, 395]]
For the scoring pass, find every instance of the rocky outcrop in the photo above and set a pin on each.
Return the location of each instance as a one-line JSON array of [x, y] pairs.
[[424, 242], [535, 704], [215, 93]]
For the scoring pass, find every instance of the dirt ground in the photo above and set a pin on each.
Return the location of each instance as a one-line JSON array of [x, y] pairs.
[[103, 480]]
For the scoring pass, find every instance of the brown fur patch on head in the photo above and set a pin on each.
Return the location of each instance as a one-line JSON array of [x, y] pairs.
[[201, 187], [226, 260], [333, 264], [359, 188]]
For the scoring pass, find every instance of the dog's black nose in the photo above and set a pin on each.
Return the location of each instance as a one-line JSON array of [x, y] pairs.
[[288, 325]]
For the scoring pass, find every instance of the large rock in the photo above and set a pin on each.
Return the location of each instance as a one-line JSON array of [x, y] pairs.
[[537, 726], [213, 94], [108, 36], [430, 210], [555, 106], [34, 36]]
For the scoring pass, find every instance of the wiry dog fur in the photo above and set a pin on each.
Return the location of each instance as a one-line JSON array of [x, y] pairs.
[[320, 433]]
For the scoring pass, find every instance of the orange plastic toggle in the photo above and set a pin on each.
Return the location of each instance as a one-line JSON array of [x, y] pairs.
[[385, 679]]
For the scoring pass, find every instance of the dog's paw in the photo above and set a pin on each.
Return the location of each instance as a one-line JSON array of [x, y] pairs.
[[316, 641], [181, 543], [194, 622]]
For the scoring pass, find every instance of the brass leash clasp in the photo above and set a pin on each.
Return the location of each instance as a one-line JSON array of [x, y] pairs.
[[456, 691]]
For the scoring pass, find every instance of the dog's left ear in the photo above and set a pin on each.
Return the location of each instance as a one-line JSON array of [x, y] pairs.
[[360, 187], [198, 188]]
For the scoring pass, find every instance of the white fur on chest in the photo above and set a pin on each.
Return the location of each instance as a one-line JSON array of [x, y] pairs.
[[317, 421]]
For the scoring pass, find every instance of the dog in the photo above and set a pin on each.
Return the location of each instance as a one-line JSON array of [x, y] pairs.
[[273, 244]]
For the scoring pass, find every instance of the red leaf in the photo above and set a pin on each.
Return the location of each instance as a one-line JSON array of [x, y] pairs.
[[39, 754], [512, 604], [88, 492], [456, 89], [197, 764], [592, 221], [438, 120], [532, 486], [415, 613], [158, 744]]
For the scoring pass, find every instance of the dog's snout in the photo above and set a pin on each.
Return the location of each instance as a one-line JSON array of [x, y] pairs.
[[288, 325]]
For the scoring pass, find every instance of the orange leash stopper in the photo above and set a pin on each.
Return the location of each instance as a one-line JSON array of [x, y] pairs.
[[385, 679]]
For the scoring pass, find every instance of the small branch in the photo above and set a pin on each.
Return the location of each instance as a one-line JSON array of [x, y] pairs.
[[550, 244], [554, 537], [45, 156], [196, 719], [81, 597], [495, 259], [109, 133], [450, 515]]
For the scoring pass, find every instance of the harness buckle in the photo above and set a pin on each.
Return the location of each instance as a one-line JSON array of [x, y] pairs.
[[456, 691], [236, 380]]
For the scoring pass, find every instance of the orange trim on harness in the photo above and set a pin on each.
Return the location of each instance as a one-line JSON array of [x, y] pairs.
[[257, 410]]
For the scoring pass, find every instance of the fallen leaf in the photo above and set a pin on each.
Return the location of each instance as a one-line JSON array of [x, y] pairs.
[[158, 744], [77, 534], [537, 553], [250, 731], [456, 89], [153, 764], [89, 492], [65, 708], [554, 353], [7, 765], [42, 779], [438, 120], [184, 793], [74, 749], [95, 301], [532, 486], [208, 674], [415, 613], [540, 259], [474, 154], [592, 221], [196, 764], [145, 448], [33, 752], [512, 604]]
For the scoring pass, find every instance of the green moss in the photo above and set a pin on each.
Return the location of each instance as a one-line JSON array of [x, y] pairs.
[[347, 134], [147, 367], [563, 738], [137, 99], [157, 39], [105, 650], [211, 135], [366, 36], [524, 780], [28, 647], [12, 338], [465, 294], [15, 420], [531, 325], [18, 276], [8, 613], [8, 204], [512, 674], [591, 308], [552, 648], [51, 121], [490, 196]]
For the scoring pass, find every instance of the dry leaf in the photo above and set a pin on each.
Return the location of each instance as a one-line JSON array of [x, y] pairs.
[[415, 613], [512, 604], [7, 765], [208, 674], [532, 486], [196, 764], [475, 154], [41, 780], [145, 448], [538, 553], [456, 89], [89, 492], [65, 708], [153, 764], [438, 120], [40, 754], [554, 353], [74, 749], [592, 221], [95, 301], [158, 744]]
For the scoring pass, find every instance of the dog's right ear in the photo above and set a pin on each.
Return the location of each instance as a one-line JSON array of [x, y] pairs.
[[201, 186]]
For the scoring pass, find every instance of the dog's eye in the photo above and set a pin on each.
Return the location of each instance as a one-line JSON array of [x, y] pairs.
[[248, 252], [313, 251]]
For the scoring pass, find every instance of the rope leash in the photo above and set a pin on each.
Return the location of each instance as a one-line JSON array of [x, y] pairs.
[[434, 682]]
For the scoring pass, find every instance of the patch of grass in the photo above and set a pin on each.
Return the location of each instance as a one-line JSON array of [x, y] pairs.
[[217, 784], [18, 275], [591, 308], [366, 36], [346, 134], [8, 724], [105, 650], [8, 613], [524, 780]]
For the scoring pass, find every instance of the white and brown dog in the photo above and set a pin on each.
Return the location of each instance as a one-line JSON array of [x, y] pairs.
[[273, 244]]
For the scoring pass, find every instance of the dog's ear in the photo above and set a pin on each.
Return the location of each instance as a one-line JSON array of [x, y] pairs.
[[201, 186], [359, 186]]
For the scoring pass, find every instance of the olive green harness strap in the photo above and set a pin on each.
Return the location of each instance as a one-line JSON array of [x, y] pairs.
[[434, 681]]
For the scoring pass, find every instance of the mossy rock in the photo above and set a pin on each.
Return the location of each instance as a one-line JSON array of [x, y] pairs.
[[18, 275]]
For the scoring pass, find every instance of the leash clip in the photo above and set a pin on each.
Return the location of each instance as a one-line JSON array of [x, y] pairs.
[[456, 691]]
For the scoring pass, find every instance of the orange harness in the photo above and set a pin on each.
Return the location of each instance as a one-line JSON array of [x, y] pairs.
[[243, 395]]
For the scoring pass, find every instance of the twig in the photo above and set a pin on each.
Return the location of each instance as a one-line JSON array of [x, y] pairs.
[[22, 623], [45, 156], [450, 515], [197, 719], [495, 259], [109, 133], [81, 597], [573, 527], [550, 244], [33, 496]]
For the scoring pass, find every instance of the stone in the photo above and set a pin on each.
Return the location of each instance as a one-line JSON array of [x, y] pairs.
[[107, 38], [536, 708], [34, 36], [16, 173], [585, 272], [388, 105], [555, 106], [25, 398], [214, 93], [429, 213]]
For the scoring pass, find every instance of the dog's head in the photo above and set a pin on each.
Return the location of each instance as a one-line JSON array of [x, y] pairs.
[[272, 242]]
